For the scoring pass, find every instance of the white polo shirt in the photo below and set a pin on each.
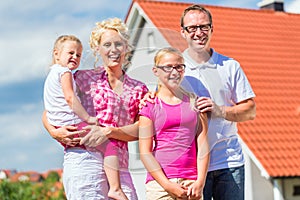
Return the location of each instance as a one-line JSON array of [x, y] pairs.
[[223, 80]]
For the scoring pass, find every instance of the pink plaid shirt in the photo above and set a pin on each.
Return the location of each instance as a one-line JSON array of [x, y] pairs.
[[111, 109]]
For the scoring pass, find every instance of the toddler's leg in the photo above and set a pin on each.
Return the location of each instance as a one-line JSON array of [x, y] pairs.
[[111, 167]]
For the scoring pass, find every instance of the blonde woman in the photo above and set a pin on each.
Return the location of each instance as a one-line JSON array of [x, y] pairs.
[[109, 93], [172, 135]]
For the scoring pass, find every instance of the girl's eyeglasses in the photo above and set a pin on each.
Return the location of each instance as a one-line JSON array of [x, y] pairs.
[[169, 68]]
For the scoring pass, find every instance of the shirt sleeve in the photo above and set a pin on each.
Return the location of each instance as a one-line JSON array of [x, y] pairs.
[[146, 111], [242, 89]]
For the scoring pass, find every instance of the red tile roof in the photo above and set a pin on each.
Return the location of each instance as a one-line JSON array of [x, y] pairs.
[[267, 44], [26, 176]]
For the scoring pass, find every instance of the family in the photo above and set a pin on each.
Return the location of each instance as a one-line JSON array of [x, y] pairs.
[[187, 128]]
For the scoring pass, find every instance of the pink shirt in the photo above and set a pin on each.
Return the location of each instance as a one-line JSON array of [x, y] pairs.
[[111, 109], [174, 138]]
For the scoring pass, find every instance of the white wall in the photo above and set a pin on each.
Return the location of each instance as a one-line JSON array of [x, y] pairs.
[[257, 187], [142, 62], [141, 69]]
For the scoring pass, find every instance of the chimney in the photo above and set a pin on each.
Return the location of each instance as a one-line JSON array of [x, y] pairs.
[[276, 5]]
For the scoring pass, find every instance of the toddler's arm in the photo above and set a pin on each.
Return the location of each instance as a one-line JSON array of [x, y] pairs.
[[72, 99]]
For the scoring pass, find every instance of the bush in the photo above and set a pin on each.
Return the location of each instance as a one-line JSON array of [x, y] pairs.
[[26, 190]]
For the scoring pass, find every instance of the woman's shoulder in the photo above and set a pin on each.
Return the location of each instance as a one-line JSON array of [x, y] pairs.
[[87, 73], [134, 82]]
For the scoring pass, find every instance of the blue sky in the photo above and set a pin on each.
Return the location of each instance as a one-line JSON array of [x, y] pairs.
[[28, 30]]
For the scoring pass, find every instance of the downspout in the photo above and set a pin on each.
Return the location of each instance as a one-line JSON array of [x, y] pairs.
[[278, 189]]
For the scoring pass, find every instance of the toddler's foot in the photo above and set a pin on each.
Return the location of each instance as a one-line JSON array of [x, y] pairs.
[[117, 194]]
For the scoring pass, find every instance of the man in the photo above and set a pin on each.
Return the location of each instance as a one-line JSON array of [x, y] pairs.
[[226, 94]]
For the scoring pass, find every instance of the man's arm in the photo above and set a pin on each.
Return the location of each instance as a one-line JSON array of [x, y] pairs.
[[242, 111]]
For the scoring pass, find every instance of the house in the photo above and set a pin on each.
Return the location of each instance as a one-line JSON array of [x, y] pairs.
[[266, 42], [31, 176], [6, 173]]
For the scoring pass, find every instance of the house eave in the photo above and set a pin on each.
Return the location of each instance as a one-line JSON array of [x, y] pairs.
[[247, 150]]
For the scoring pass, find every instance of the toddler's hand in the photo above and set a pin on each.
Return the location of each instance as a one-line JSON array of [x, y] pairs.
[[92, 121]]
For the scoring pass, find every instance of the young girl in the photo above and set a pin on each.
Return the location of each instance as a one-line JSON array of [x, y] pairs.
[[61, 102], [168, 130], [64, 108]]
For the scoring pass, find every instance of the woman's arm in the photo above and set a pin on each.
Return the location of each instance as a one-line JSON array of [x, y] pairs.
[[203, 156], [149, 161], [64, 134], [73, 101], [98, 134]]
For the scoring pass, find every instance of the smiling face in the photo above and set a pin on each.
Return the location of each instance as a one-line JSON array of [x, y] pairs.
[[112, 49], [171, 79], [199, 39], [68, 54]]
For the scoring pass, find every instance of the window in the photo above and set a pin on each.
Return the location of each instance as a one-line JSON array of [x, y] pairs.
[[151, 42], [296, 190]]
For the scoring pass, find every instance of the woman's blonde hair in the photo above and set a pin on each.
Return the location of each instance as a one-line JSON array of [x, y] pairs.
[[171, 50], [110, 24], [58, 44]]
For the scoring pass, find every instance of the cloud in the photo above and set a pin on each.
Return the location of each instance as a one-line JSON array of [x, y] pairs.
[[23, 125], [292, 6], [26, 143], [29, 30]]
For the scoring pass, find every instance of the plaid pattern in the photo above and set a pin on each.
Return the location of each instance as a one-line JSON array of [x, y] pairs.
[[100, 100]]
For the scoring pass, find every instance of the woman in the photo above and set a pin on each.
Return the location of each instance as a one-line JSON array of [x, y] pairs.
[[113, 97]]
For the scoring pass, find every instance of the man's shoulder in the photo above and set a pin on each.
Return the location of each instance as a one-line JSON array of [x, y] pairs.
[[219, 58]]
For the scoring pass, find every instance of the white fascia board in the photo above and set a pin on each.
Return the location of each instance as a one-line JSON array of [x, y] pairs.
[[135, 16]]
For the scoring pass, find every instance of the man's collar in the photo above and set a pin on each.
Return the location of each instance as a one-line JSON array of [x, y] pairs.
[[211, 63]]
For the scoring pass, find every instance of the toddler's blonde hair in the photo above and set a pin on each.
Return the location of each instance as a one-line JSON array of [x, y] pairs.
[[58, 44]]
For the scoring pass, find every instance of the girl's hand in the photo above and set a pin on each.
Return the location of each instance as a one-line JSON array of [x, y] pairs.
[[195, 191], [176, 190]]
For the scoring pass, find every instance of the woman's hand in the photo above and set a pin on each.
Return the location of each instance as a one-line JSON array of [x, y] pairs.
[[149, 97], [66, 135], [96, 135]]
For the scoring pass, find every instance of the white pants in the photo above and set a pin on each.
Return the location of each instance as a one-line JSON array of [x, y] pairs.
[[84, 176]]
